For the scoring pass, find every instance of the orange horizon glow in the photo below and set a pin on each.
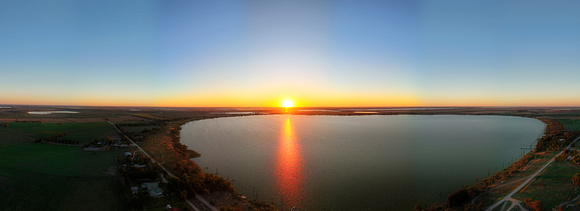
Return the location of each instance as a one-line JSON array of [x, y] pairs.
[[304, 99], [228, 105], [338, 58]]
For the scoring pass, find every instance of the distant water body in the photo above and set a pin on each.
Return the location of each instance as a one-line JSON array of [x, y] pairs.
[[52, 112], [357, 162]]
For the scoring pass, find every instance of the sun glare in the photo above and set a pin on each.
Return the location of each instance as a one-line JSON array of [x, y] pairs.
[[287, 104]]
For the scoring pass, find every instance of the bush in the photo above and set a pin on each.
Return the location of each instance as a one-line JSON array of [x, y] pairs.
[[458, 197]]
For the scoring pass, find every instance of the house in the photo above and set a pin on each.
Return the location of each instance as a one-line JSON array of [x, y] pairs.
[[120, 145], [151, 185], [155, 192], [152, 188], [139, 165], [134, 190]]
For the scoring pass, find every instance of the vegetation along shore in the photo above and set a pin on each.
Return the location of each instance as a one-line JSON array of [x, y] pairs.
[[84, 151]]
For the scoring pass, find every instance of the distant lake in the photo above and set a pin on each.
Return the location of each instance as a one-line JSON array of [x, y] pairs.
[[52, 112], [357, 162]]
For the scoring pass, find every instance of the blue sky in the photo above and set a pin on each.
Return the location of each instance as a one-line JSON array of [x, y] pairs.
[[319, 53]]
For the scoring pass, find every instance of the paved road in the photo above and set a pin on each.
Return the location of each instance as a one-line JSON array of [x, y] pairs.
[[509, 196], [190, 202], [142, 150], [497, 187]]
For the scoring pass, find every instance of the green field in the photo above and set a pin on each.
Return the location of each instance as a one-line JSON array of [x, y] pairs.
[[40, 176], [570, 124], [138, 129], [553, 186], [82, 132], [495, 194]]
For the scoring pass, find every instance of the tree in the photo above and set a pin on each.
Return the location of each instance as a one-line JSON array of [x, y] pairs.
[[417, 207], [458, 197], [183, 194], [479, 207], [469, 207], [535, 205], [576, 180]]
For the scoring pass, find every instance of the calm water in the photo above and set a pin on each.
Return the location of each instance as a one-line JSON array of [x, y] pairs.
[[357, 162]]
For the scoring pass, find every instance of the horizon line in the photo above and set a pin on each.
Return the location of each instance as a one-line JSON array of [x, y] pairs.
[[258, 107]]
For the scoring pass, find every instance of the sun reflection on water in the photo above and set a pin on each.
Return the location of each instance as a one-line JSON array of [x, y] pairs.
[[289, 178]]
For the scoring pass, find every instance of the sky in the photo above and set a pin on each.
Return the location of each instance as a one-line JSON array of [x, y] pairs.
[[257, 53]]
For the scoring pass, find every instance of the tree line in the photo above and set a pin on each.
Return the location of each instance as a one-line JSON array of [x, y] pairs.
[[556, 136], [57, 139], [27, 121], [189, 177]]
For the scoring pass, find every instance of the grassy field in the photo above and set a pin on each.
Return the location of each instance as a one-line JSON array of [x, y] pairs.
[[138, 129], [553, 186], [39, 176], [501, 190], [82, 132], [570, 124]]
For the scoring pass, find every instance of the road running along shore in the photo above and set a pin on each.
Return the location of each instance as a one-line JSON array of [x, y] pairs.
[[207, 205], [508, 197]]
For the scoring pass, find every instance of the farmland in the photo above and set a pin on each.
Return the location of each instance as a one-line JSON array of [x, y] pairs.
[[554, 186], [82, 132], [40, 176], [61, 176]]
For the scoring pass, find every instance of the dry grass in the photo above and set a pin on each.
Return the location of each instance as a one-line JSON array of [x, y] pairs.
[[123, 119], [160, 146]]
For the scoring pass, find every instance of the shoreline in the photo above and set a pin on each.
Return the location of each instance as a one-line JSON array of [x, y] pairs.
[[178, 159], [540, 153], [493, 177], [541, 134], [153, 119]]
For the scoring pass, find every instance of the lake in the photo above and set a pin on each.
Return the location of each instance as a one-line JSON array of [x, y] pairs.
[[52, 112], [357, 162]]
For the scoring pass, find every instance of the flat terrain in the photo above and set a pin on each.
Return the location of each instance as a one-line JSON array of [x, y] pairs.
[[41, 176], [570, 123], [82, 132], [52, 177], [502, 189], [553, 186]]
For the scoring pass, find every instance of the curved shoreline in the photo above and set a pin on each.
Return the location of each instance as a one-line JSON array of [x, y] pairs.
[[540, 155], [539, 135]]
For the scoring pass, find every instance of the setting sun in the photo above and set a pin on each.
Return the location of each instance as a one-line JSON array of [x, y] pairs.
[[287, 104]]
